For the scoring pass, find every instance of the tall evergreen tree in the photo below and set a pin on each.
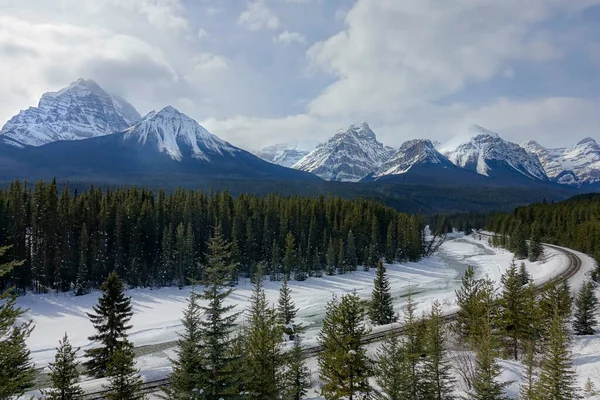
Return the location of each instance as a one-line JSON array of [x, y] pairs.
[[344, 365], [557, 376], [297, 376], [381, 311], [64, 374], [217, 326], [527, 389], [263, 359], [519, 242], [391, 371], [536, 250], [124, 383], [289, 258], [524, 274], [514, 318], [110, 319], [413, 350], [287, 310], [585, 310], [186, 378], [82, 284], [437, 374], [554, 297], [16, 368], [351, 257]]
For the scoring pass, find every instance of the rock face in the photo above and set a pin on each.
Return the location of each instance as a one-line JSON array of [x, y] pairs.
[[412, 153], [349, 155], [283, 154], [577, 165], [489, 155], [82, 110]]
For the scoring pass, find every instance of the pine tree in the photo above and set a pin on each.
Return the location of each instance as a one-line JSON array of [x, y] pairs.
[[585, 310], [436, 366], [351, 258], [524, 274], [557, 376], [390, 243], [514, 318], [64, 374], [297, 376], [331, 258], [124, 383], [287, 310], [555, 297], [217, 326], [472, 301], [381, 309], [527, 389], [186, 378], [110, 318], [536, 249], [82, 285], [486, 384], [290, 257], [16, 368], [391, 371], [344, 366], [413, 350], [263, 358], [519, 243]]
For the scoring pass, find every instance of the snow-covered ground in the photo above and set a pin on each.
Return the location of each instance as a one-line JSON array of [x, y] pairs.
[[157, 312]]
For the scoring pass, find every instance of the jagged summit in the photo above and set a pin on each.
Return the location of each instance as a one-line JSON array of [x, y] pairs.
[[349, 155], [284, 154], [81, 110], [476, 130], [586, 140], [411, 153]]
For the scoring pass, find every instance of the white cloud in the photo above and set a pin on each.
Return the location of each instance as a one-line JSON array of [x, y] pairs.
[[286, 37], [208, 62], [258, 16], [202, 33]]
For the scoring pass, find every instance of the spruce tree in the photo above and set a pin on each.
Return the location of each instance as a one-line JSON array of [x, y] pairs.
[[554, 297], [287, 310], [344, 365], [585, 310], [16, 368], [438, 380], [381, 311], [413, 350], [290, 257], [297, 376], [514, 318], [263, 358], [124, 383], [519, 243], [557, 376], [110, 318], [82, 284], [186, 378], [391, 371], [472, 299], [351, 258], [218, 321], [535, 245], [524, 274], [64, 374], [527, 389]]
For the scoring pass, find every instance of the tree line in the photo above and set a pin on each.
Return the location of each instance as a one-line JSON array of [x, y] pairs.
[[72, 240]]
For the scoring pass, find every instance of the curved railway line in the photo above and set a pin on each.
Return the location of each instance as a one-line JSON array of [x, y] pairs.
[[575, 264]]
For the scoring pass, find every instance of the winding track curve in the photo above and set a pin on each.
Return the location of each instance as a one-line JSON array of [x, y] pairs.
[[574, 267]]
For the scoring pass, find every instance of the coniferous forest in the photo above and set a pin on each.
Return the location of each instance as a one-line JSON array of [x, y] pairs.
[[71, 240]]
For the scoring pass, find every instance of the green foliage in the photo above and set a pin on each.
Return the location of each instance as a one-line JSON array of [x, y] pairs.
[[381, 311], [297, 377], [585, 310], [344, 365], [110, 319], [514, 317], [391, 371], [287, 311], [64, 374], [536, 249], [16, 368], [518, 242], [555, 297], [124, 383]]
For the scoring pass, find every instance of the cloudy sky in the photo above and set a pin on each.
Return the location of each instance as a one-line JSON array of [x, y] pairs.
[[260, 72]]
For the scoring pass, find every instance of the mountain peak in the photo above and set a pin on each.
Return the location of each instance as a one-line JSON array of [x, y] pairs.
[[587, 140], [81, 110], [412, 152], [361, 129], [477, 130]]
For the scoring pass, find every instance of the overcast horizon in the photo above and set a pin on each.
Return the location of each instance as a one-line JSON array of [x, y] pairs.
[[261, 72]]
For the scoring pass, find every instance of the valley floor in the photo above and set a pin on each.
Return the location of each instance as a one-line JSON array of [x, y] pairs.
[[157, 312]]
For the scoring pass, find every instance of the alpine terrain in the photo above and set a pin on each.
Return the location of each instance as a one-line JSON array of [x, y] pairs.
[[577, 165], [349, 155], [80, 111], [282, 154]]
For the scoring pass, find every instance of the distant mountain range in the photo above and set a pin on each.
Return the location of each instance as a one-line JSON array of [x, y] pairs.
[[82, 132]]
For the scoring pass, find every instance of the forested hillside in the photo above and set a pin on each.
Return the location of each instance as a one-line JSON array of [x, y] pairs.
[[574, 223], [73, 240]]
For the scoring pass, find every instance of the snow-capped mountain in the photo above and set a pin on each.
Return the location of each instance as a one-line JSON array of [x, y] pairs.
[[411, 153], [178, 136], [283, 154], [576, 165], [80, 111], [489, 155], [349, 155]]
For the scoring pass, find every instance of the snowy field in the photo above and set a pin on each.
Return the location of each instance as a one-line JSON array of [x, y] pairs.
[[157, 312]]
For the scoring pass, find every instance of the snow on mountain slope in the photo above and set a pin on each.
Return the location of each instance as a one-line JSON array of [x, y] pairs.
[[486, 151], [283, 154], [177, 135], [575, 165], [349, 155], [79, 111], [411, 153]]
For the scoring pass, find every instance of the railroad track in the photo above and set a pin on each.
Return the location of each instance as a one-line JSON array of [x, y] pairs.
[[574, 267]]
